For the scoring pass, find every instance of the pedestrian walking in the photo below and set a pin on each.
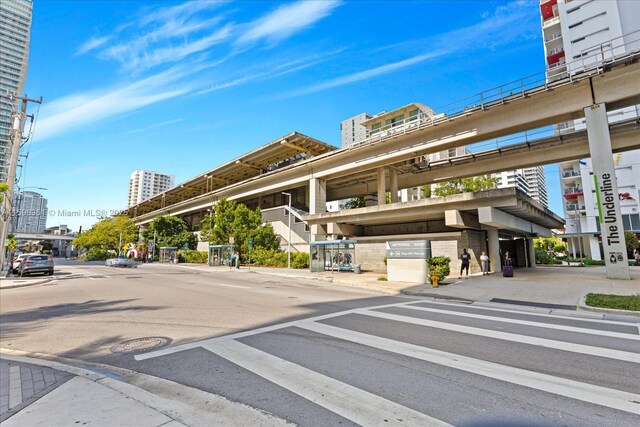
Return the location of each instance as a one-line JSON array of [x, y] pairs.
[[238, 260], [484, 261], [507, 269], [637, 256], [464, 266]]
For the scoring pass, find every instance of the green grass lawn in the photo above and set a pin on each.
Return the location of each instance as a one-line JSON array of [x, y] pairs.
[[622, 302]]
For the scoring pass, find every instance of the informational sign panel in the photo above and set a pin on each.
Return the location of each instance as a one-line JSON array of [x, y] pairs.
[[409, 249], [607, 196]]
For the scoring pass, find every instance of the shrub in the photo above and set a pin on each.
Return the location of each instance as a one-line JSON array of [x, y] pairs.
[[300, 260], [441, 265], [96, 254], [382, 279], [193, 256]]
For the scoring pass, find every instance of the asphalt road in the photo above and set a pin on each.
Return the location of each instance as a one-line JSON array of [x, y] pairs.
[[318, 354]]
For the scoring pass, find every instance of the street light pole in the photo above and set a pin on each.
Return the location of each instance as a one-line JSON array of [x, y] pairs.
[[289, 226]]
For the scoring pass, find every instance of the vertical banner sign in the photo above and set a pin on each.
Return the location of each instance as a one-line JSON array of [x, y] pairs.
[[604, 176]]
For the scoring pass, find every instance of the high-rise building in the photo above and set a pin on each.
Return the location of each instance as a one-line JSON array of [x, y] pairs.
[[352, 131], [15, 30], [578, 34], [29, 213], [146, 184]]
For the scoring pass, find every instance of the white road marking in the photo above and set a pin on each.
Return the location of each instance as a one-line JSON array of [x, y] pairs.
[[90, 278], [357, 405], [554, 316], [611, 398], [262, 330], [531, 323], [542, 342], [15, 386]]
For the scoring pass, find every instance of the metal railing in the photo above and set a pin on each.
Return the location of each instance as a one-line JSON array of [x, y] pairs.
[[569, 174], [592, 63], [573, 190]]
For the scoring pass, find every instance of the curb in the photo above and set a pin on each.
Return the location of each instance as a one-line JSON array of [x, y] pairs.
[[582, 305], [183, 404], [437, 296], [22, 285]]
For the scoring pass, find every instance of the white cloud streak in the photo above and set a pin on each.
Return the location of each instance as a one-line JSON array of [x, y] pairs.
[[505, 24], [287, 20], [80, 110], [92, 44], [153, 126]]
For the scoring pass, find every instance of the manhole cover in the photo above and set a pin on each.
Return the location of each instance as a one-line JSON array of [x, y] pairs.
[[139, 345]]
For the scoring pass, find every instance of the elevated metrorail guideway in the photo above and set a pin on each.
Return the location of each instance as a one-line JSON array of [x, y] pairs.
[[516, 107]]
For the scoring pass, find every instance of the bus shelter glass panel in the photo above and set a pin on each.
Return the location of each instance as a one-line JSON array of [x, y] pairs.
[[339, 255], [220, 255], [168, 255]]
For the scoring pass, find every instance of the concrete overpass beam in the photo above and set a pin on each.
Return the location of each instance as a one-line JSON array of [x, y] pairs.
[[455, 218], [493, 217], [344, 229]]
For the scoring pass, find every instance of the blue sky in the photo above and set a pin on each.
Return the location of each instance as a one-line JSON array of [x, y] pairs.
[[180, 87]]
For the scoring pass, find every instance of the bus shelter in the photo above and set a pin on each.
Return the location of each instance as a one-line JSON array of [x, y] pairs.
[[220, 255], [168, 255], [336, 255]]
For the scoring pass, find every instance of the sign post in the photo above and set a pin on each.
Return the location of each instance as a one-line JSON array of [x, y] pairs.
[[604, 176]]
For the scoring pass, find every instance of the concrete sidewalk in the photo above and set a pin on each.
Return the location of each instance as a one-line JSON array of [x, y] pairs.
[[39, 392]]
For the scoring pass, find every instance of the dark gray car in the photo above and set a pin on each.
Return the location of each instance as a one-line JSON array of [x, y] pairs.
[[36, 264]]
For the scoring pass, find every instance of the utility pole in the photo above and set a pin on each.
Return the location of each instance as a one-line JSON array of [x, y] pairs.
[[17, 127]]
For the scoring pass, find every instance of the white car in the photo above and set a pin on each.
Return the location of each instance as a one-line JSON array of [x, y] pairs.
[[120, 262], [15, 264]]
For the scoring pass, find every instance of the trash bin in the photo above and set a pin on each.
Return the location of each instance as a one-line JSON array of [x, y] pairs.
[[356, 269]]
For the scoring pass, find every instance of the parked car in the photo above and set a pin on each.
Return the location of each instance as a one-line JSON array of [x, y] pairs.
[[15, 263], [36, 264], [120, 261]]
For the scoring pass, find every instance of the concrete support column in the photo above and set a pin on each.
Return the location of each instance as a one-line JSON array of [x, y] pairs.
[[494, 249], [393, 185], [317, 205], [604, 175], [141, 230], [317, 196], [532, 253], [382, 186]]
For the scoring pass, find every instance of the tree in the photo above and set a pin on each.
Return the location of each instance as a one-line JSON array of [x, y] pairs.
[[632, 241], [105, 234], [171, 231], [3, 189], [231, 219], [356, 202], [426, 191], [465, 185]]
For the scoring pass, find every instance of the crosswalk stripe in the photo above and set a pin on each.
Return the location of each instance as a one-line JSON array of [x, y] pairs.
[[611, 398], [529, 323], [357, 405], [478, 306], [230, 286], [543, 342], [189, 346]]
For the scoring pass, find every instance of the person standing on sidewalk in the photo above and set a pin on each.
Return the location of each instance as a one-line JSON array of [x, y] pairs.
[[466, 259], [484, 260]]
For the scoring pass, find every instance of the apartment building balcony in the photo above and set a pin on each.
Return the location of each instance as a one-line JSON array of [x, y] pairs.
[[570, 174], [574, 207], [553, 37], [556, 56], [548, 9], [572, 193], [551, 22]]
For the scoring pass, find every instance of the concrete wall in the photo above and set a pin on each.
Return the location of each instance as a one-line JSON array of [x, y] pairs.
[[371, 251]]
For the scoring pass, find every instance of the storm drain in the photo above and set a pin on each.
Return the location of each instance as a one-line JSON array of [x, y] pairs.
[[140, 345], [534, 304]]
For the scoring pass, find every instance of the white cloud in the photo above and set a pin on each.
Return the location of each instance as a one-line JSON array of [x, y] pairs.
[[287, 20], [154, 126], [80, 110], [93, 43], [508, 22]]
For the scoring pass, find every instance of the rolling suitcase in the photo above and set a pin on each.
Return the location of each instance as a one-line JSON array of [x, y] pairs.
[[507, 271]]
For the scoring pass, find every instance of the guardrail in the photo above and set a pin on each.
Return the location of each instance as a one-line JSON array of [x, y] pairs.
[[592, 62]]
